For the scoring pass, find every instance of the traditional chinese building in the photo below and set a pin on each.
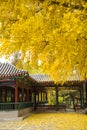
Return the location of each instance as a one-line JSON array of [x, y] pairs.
[[24, 92]]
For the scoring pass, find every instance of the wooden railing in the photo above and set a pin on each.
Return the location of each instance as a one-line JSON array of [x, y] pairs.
[[15, 106], [45, 105], [42, 103]]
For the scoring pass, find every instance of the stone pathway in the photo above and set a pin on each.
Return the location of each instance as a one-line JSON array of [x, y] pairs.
[[48, 121]]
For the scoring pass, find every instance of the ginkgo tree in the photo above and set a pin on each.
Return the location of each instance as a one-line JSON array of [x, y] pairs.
[[50, 32]]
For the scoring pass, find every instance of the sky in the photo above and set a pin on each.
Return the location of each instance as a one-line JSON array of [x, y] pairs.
[[3, 60]]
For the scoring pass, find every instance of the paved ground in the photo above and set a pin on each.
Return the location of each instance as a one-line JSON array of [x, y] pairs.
[[48, 121]]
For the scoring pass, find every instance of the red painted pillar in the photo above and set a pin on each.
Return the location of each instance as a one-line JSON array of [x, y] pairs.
[[22, 94], [16, 94]]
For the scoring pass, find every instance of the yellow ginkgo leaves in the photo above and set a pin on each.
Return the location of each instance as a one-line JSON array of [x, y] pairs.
[[52, 32]]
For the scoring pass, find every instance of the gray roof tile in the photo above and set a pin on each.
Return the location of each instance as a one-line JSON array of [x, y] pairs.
[[8, 70]]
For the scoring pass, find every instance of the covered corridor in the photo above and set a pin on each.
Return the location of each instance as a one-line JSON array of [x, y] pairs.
[[20, 90]]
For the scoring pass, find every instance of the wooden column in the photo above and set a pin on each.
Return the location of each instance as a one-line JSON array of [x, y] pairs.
[[56, 98], [81, 97], [16, 94], [34, 101], [22, 94], [83, 94], [30, 95], [86, 90], [27, 94], [38, 97]]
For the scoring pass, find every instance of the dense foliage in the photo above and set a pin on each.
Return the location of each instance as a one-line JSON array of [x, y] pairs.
[[48, 34]]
